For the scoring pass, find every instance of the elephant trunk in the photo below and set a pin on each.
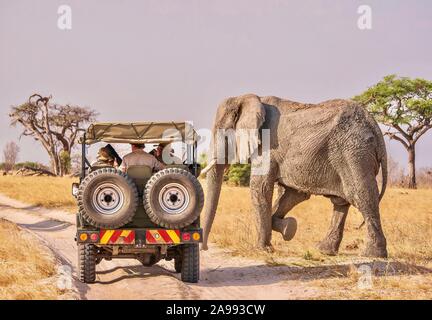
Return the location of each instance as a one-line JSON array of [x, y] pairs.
[[214, 183]]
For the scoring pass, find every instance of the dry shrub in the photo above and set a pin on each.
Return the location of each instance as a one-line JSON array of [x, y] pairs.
[[424, 177], [397, 177]]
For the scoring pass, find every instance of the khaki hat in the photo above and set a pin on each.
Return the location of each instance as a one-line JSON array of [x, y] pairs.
[[104, 155]]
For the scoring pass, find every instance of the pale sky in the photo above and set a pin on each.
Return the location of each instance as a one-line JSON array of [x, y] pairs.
[[176, 60]]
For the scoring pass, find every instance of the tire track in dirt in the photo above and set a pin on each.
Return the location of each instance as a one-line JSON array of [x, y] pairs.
[[222, 275]]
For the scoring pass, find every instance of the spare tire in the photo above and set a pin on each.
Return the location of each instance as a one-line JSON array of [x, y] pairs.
[[107, 198], [173, 198]]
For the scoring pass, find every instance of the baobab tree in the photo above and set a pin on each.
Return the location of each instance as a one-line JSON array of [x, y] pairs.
[[404, 105], [55, 126]]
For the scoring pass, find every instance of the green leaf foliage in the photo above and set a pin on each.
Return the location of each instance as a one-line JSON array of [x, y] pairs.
[[238, 175], [399, 101]]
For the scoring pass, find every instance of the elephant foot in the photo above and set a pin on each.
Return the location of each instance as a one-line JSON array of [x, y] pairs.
[[269, 249], [203, 247], [329, 248], [266, 248], [374, 251], [287, 227]]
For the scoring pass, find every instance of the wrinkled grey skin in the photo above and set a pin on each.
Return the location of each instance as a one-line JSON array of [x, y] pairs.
[[334, 148]]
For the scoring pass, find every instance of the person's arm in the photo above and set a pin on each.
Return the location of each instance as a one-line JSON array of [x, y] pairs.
[[157, 165], [123, 166]]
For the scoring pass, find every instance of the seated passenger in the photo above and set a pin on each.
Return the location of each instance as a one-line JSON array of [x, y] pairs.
[[158, 153], [104, 158], [138, 157]]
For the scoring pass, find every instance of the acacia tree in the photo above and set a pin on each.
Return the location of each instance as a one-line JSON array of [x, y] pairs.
[[10, 155], [55, 126], [404, 105]]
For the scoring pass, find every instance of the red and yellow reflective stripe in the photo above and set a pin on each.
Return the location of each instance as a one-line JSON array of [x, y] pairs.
[[105, 235], [174, 235], [117, 236], [162, 236]]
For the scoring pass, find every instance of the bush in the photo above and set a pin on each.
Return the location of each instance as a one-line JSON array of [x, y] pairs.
[[238, 175], [202, 160], [30, 164], [65, 162]]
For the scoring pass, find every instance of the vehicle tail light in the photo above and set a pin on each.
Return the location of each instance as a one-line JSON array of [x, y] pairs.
[[94, 236], [196, 236], [83, 236], [186, 236]]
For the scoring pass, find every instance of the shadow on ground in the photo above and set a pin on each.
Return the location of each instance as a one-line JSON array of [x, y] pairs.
[[46, 225], [262, 275], [120, 273], [29, 207]]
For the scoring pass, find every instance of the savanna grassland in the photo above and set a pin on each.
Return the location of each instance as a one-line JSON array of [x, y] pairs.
[[406, 218], [407, 222], [27, 269], [48, 192]]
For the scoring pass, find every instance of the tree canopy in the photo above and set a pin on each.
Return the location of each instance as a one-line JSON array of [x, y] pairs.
[[404, 105]]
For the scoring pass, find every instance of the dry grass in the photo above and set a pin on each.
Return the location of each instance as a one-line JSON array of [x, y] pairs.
[[407, 222], [49, 192], [26, 270], [406, 218]]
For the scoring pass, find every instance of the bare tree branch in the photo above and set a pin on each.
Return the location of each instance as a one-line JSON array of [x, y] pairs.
[[394, 136], [422, 132], [54, 125]]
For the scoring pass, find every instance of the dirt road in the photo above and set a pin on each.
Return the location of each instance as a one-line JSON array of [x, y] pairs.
[[222, 276]]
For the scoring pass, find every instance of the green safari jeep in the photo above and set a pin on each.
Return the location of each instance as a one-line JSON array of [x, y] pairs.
[[139, 214]]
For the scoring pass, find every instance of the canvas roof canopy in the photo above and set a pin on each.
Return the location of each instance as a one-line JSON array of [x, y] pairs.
[[140, 132]]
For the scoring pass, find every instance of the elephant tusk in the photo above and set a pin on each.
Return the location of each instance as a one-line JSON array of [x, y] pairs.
[[208, 167]]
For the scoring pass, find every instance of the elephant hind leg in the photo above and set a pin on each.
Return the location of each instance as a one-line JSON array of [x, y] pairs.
[[287, 199], [369, 207], [330, 244], [363, 193]]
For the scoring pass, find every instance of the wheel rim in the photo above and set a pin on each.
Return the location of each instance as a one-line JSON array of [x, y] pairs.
[[174, 198], [108, 198]]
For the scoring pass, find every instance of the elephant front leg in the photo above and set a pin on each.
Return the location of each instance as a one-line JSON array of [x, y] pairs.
[[288, 198], [330, 244], [261, 188]]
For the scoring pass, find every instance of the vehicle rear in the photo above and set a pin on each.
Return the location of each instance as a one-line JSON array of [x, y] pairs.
[[139, 214]]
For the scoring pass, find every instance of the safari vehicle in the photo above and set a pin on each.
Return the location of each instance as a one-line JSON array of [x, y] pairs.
[[139, 214]]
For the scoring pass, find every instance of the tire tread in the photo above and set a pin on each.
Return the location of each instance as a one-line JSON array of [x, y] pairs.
[[190, 266], [90, 177], [87, 263], [147, 194]]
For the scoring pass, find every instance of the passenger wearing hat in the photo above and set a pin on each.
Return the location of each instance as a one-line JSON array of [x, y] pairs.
[[104, 158]]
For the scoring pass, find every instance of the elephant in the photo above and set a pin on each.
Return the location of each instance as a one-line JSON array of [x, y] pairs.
[[334, 149]]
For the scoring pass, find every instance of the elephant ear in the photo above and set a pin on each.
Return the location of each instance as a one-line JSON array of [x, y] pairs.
[[250, 118]]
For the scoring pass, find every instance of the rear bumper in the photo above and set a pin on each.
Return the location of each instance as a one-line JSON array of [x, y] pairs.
[[139, 237]]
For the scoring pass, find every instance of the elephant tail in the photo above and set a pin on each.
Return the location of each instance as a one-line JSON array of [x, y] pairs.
[[384, 174], [381, 152]]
